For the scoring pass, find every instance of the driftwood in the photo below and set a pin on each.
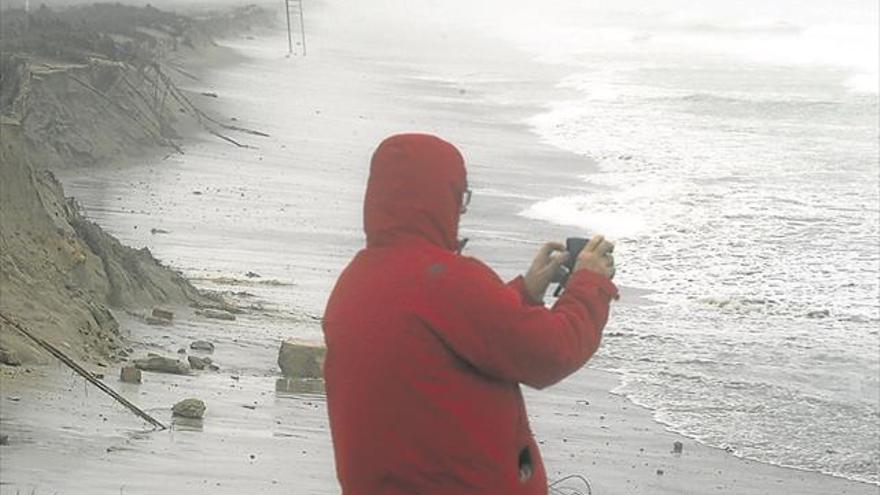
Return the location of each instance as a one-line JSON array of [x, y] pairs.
[[201, 116], [84, 373]]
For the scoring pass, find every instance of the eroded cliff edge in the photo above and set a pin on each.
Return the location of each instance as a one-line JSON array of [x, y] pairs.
[[81, 87]]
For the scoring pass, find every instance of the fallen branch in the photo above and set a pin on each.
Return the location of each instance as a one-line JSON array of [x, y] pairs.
[[201, 115], [84, 373]]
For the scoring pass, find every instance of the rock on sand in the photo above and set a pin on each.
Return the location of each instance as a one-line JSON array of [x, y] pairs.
[[202, 345], [130, 374], [198, 363], [9, 357], [301, 359], [161, 364], [189, 408]]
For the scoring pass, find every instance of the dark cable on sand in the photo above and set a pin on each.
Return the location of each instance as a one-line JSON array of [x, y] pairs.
[[84, 373], [557, 489]]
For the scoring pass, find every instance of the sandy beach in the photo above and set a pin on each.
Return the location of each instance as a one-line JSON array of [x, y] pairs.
[[287, 209]]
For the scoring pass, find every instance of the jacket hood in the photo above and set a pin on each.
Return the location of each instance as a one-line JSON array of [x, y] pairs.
[[415, 189]]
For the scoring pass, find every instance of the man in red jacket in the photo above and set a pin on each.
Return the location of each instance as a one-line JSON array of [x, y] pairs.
[[426, 349]]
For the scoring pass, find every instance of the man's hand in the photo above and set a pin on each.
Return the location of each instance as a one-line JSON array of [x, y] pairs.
[[546, 268], [596, 257]]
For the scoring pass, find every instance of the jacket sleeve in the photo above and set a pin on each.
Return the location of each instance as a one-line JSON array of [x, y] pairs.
[[497, 330], [519, 285]]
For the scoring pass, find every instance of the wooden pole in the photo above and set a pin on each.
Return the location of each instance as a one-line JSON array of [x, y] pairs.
[[302, 25], [84, 373], [289, 34]]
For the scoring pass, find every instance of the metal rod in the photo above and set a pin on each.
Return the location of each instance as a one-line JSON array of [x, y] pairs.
[[84, 373], [289, 34], [302, 25]]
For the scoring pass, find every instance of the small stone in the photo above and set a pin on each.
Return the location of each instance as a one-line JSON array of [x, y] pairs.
[[130, 374], [202, 345], [198, 363], [252, 275], [213, 367], [181, 351], [154, 362], [4, 439], [163, 314], [822, 313], [189, 408], [659, 472], [9, 358], [677, 447]]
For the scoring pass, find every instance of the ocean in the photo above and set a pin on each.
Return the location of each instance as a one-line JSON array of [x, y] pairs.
[[731, 150]]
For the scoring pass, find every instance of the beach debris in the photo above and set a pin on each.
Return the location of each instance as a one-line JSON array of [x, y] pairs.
[[822, 313], [152, 320], [130, 374], [163, 314], [209, 94], [70, 363], [9, 357], [4, 439], [189, 408], [252, 275], [216, 314], [181, 351], [677, 447], [159, 231], [660, 472], [202, 345], [198, 363], [301, 359], [161, 364]]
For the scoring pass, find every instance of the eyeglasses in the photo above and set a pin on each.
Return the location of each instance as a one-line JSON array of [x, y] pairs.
[[465, 200]]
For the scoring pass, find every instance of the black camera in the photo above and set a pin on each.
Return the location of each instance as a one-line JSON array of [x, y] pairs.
[[574, 246]]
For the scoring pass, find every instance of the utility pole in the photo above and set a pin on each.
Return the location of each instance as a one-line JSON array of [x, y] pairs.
[[289, 34], [302, 27], [295, 4]]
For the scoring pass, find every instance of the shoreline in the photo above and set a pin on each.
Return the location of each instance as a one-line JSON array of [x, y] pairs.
[[661, 439], [560, 438]]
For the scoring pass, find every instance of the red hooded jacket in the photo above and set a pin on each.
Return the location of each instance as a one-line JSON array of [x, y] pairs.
[[426, 349]]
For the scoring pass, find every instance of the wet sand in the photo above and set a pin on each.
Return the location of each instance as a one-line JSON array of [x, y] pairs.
[[269, 211], [66, 437]]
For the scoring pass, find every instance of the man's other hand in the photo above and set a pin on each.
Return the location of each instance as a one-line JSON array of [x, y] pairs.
[[546, 268], [596, 257]]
